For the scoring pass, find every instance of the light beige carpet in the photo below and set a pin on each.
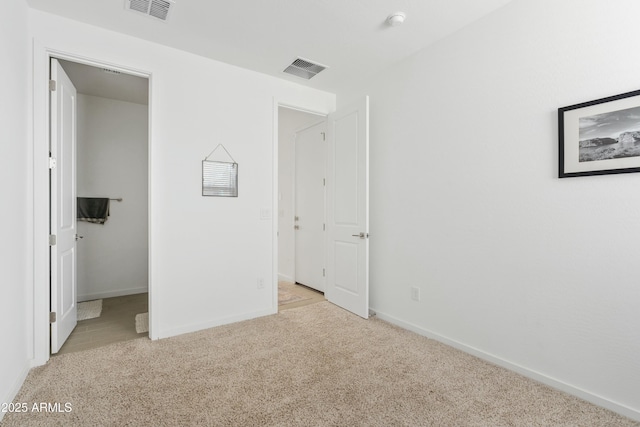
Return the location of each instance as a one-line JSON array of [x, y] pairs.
[[142, 323], [311, 366], [288, 293], [89, 309]]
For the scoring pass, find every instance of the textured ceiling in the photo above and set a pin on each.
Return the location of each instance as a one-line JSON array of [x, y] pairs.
[[349, 36]]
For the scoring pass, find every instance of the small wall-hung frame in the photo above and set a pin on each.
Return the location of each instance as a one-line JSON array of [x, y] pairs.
[[600, 137], [219, 179]]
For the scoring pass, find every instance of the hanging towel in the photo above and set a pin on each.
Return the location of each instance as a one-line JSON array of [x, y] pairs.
[[93, 209]]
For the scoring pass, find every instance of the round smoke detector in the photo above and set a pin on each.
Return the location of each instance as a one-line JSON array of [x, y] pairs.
[[396, 18]]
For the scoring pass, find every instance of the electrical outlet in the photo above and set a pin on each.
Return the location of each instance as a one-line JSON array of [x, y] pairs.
[[260, 283], [415, 293]]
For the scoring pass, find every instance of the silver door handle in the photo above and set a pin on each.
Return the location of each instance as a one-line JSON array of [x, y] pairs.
[[361, 235]]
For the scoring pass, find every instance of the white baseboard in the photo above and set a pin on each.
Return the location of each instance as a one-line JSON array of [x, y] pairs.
[[15, 387], [285, 278], [212, 324], [111, 294], [529, 373]]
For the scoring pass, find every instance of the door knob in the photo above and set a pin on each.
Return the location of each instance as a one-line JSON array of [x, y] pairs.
[[361, 235]]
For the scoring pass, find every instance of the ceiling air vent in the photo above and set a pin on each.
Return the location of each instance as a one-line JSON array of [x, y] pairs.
[[304, 68], [155, 8]]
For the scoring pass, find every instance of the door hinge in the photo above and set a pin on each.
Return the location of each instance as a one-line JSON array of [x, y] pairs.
[[324, 136], [52, 85], [323, 273], [52, 162], [324, 182], [52, 240], [324, 227], [52, 317]]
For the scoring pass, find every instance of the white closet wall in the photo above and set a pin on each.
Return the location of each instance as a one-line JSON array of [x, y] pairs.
[[112, 162]]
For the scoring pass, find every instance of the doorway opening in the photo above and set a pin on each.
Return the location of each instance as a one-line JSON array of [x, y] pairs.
[[346, 194], [108, 289], [301, 207]]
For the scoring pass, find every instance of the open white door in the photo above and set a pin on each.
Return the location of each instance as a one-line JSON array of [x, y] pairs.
[[309, 206], [348, 208], [63, 207]]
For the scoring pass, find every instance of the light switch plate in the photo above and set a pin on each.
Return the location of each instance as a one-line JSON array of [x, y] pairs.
[[265, 213]]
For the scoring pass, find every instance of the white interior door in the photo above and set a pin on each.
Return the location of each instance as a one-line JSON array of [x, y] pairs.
[[63, 207], [309, 206], [348, 208]]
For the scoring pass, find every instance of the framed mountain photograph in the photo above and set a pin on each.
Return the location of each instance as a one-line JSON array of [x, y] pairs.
[[600, 137]]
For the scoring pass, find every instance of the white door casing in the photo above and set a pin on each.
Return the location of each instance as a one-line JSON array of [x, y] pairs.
[[310, 155], [347, 282], [63, 207]]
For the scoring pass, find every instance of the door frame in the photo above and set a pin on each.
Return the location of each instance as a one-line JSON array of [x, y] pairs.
[[277, 103], [39, 203]]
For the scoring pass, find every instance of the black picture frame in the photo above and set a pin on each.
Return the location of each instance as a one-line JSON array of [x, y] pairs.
[[599, 137]]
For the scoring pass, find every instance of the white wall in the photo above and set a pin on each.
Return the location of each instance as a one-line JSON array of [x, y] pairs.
[[112, 161], [206, 253], [536, 273], [14, 179], [289, 121]]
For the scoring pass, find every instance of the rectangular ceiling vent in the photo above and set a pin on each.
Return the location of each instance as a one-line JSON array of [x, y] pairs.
[[155, 8], [304, 68]]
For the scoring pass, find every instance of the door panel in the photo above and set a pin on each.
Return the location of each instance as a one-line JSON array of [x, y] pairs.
[[348, 208], [310, 157], [346, 277], [66, 275], [63, 207], [346, 169]]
